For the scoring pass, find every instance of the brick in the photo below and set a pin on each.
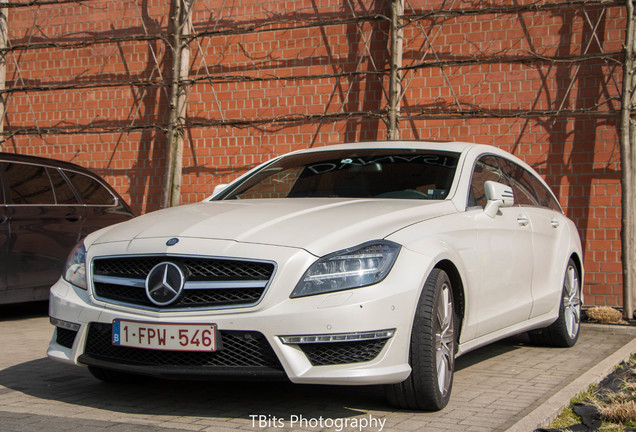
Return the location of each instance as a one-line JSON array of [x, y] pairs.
[[580, 156]]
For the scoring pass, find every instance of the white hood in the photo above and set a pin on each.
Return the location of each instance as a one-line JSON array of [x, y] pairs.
[[319, 226]]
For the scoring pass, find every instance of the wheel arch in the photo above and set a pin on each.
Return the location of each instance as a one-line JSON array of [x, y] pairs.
[[578, 262], [457, 286]]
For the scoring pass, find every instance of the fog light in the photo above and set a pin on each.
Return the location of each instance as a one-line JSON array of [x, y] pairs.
[[337, 337], [64, 324]]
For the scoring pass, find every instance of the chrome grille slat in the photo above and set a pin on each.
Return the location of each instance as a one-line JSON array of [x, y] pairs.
[[137, 283], [140, 283], [225, 284], [211, 282]]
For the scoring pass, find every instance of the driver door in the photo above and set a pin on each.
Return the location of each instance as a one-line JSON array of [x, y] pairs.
[[504, 292]]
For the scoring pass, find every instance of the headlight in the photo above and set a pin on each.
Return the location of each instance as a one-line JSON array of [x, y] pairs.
[[75, 269], [357, 267]]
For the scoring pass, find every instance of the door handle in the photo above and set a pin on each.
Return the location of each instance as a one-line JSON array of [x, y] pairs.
[[522, 220], [3, 219], [72, 217], [554, 223]]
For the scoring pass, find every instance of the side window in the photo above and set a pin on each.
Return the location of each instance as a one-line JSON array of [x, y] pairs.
[[545, 196], [91, 191], [63, 192], [486, 168], [28, 184], [521, 182]]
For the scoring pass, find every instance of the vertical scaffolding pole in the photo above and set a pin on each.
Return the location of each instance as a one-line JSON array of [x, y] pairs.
[[627, 140], [395, 87], [171, 195]]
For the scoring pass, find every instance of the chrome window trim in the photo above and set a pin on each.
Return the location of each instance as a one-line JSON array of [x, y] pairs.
[[542, 182], [11, 204], [104, 185], [68, 181]]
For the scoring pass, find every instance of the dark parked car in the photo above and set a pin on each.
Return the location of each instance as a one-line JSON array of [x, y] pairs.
[[46, 207]]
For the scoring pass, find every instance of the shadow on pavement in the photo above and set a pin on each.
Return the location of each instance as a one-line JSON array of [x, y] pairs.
[[18, 311], [46, 379]]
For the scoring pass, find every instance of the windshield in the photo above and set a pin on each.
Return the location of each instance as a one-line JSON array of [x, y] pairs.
[[367, 173]]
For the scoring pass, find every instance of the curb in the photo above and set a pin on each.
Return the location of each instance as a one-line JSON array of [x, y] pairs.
[[548, 410]]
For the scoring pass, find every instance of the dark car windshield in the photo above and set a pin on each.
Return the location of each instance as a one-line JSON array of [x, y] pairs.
[[366, 173]]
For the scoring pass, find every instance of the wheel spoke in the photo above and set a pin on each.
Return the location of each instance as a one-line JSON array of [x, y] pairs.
[[440, 314], [571, 301], [443, 311], [443, 369], [444, 340], [571, 283]]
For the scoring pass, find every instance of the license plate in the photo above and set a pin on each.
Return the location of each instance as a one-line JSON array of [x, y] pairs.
[[170, 337]]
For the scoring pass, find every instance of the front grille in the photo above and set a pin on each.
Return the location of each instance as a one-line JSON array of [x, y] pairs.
[[238, 349], [335, 353], [65, 337], [200, 268], [232, 283]]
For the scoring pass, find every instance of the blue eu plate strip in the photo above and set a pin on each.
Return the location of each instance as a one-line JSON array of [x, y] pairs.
[[116, 340]]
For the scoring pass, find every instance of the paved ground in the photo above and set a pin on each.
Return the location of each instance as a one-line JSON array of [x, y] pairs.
[[497, 388]]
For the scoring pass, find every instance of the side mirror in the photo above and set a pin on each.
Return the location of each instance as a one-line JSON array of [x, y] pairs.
[[498, 195], [218, 189]]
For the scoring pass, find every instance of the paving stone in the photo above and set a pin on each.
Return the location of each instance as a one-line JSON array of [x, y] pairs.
[[494, 386]]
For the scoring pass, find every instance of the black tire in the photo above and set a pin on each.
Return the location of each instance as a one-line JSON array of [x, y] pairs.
[[113, 376], [432, 350], [564, 332]]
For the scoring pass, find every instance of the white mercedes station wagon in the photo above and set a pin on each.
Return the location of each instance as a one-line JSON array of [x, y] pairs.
[[367, 263]]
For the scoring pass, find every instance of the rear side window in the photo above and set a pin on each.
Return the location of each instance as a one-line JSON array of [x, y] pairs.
[[63, 192], [91, 191], [28, 184], [546, 199], [521, 182]]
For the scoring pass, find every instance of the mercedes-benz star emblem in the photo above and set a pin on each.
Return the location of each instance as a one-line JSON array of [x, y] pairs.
[[164, 283]]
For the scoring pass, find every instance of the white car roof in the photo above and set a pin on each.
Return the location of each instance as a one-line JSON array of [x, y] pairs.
[[453, 146]]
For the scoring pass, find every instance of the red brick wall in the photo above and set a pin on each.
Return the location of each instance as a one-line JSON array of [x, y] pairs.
[[108, 124]]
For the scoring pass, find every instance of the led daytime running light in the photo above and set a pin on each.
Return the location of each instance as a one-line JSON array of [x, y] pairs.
[[64, 324], [338, 337]]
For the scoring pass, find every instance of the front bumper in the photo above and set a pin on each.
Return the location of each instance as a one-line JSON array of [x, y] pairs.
[[389, 305]]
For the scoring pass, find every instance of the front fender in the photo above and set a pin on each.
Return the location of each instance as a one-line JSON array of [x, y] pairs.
[[438, 243]]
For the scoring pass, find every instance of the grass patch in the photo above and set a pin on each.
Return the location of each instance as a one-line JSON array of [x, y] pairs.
[[620, 413], [614, 398], [604, 315], [567, 417]]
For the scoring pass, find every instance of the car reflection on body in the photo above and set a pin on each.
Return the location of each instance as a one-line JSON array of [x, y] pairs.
[[368, 263]]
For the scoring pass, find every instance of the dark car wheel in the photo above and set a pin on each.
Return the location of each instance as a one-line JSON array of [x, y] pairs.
[[432, 349], [564, 332]]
